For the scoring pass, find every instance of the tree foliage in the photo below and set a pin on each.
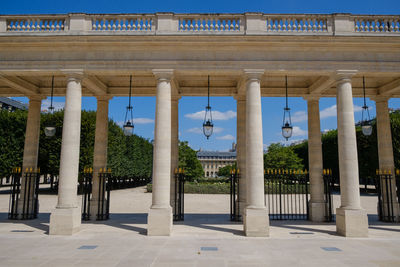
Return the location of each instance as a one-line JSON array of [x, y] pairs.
[[281, 157], [188, 161], [127, 156], [226, 170]]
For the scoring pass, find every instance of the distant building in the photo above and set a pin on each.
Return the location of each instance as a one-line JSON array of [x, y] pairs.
[[212, 161], [9, 104]]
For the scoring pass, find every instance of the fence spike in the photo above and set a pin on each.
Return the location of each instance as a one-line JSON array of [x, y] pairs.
[[397, 172], [389, 171], [109, 170]]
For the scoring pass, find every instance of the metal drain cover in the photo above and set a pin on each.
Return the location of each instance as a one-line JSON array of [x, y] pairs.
[[209, 249], [331, 249], [87, 247]]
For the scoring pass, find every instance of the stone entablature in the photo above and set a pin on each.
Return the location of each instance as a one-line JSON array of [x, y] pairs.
[[201, 24]]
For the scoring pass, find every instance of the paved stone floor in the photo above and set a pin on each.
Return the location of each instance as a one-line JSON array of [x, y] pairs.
[[205, 238]]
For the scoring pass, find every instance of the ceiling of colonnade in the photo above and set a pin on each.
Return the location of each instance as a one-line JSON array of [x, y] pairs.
[[195, 84]]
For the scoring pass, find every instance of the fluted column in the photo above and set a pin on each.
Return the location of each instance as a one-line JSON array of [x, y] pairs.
[[256, 220], [317, 197], [351, 219], [174, 145], [99, 151], [385, 152], [65, 219], [241, 150], [31, 147], [160, 214]]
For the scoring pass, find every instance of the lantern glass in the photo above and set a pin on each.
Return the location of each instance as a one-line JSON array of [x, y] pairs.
[[128, 129], [287, 131], [50, 131], [366, 129]]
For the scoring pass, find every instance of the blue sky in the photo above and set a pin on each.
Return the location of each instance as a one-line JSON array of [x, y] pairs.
[[225, 126]]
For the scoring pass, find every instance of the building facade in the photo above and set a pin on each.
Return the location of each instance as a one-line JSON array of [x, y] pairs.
[[212, 161], [9, 104], [170, 55]]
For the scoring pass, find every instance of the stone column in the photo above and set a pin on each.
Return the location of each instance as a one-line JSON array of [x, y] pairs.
[[351, 219], [31, 147], [65, 219], [174, 145], [159, 221], [317, 196], [385, 151], [99, 151], [256, 220], [241, 150]]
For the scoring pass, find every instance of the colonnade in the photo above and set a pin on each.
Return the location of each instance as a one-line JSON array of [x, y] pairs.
[[351, 219]]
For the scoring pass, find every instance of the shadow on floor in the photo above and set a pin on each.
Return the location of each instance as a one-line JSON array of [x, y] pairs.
[[40, 223], [208, 221]]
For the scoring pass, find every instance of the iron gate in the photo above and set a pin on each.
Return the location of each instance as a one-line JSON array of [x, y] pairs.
[[329, 185], [29, 199], [179, 201], [234, 195], [287, 194], [388, 194], [103, 198]]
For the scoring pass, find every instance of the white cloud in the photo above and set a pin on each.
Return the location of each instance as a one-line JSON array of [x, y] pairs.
[[226, 137], [56, 105], [216, 115], [198, 130], [297, 131], [299, 116], [142, 120], [138, 121]]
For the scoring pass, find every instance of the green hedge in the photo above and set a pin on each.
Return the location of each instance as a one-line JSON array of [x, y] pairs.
[[224, 188], [202, 188]]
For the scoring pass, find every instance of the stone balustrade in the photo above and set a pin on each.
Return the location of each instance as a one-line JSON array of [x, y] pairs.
[[210, 23], [377, 24], [298, 23], [36, 23], [201, 24], [135, 23]]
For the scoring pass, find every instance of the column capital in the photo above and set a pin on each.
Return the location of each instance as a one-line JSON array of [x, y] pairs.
[[311, 97], [240, 97], [253, 74], [104, 97], [380, 98], [344, 75], [74, 74], [36, 97], [176, 98], [163, 74]]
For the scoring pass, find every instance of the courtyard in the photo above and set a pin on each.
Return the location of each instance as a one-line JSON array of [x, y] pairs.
[[205, 238]]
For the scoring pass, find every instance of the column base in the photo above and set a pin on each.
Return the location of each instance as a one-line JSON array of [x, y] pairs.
[[65, 221], [317, 211], [351, 223], [94, 208], [256, 222], [159, 221], [242, 207]]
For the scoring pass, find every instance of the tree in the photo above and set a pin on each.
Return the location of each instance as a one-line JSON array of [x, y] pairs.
[[226, 170], [189, 162], [281, 157]]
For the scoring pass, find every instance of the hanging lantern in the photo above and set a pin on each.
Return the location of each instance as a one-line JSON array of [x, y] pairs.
[[50, 129], [208, 125], [287, 128], [366, 126], [128, 122]]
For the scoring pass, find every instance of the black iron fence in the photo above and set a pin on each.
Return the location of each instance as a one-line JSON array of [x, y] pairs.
[[86, 191], [234, 195], [329, 186], [103, 194], [179, 201], [287, 194], [387, 185], [24, 196]]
